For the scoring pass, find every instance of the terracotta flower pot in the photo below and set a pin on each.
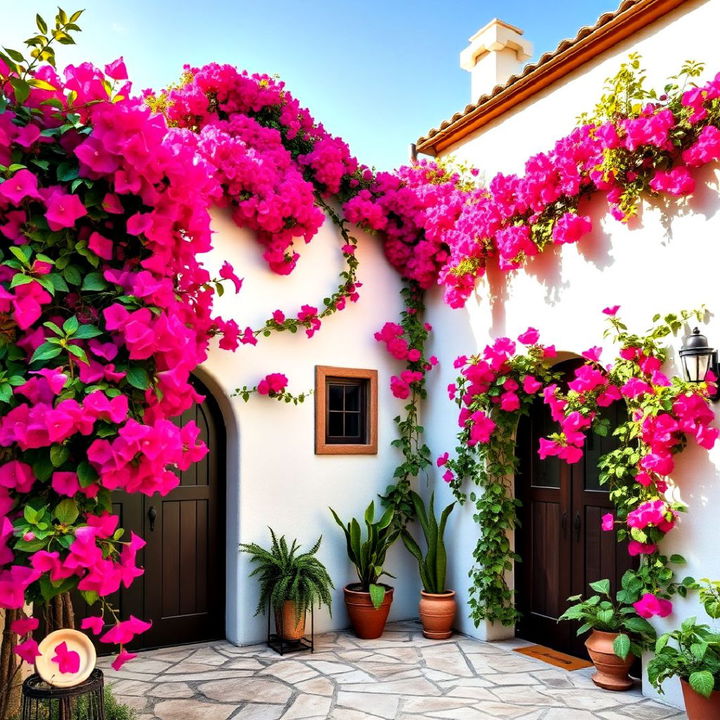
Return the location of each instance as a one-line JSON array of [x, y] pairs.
[[699, 707], [287, 623], [612, 671], [368, 622], [437, 613]]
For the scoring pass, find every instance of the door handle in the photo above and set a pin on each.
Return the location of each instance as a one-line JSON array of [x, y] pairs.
[[563, 523], [577, 523], [152, 516]]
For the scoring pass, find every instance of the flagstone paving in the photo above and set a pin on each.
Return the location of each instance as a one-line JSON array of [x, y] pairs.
[[400, 676]]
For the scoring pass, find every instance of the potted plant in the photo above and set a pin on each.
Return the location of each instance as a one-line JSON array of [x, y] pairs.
[[692, 653], [290, 583], [367, 601], [618, 635], [437, 603]]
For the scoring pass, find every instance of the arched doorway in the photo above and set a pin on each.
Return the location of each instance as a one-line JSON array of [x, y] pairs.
[[560, 541], [183, 589]]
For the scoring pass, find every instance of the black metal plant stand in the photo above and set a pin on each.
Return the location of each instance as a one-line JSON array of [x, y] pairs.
[[281, 645], [85, 701]]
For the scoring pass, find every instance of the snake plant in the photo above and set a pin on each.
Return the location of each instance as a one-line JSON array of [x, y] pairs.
[[433, 565], [368, 556]]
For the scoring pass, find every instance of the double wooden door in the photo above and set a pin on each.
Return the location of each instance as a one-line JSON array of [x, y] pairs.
[[183, 589], [560, 541]]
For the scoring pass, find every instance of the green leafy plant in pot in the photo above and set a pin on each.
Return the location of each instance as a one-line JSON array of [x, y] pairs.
[[368, 601], [290, 583], [619, 634], [437, 604], [692, 653]]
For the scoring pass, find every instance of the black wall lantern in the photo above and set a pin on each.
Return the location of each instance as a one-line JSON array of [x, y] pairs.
[[697, 358]]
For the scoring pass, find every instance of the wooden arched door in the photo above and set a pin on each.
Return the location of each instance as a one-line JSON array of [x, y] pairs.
[[560, 541], [183, 589]]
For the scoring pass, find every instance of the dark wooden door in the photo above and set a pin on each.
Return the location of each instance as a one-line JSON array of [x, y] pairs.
[[560, 541], [183, 589]]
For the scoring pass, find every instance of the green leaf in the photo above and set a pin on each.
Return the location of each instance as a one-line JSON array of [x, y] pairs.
[[31, 514], [87, 331], [58, 455], [72, 274], [78, 352], [89, 596], [702, 682], [22, 89], [621, 645], [377, 594], [137, 377], [67, 511], [86, 474], [42, 25], [71, 325], [46, 351], [601, 586], [94, 282]]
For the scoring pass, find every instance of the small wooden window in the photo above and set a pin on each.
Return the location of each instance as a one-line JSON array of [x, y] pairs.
[[345, 411]]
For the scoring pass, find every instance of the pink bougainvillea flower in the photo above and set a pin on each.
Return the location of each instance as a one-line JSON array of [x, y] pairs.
[[529, 337], [117, 70], [272, 383], [677, 181], [611, 310], [448, 476], [227, 272], [23, 184], [101, 246], [608, 522], [248, 337], [94, 623], [650, 605], [123, 632], [13, 583], [442, 459], [593, 353], [25, 625], [63, 209], [122, 657], [68, 661], [27, 650], [638, 548], [399, 388], [65, 483], [17, 475]]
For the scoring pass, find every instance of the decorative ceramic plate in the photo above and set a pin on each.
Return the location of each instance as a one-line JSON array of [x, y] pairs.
[[75, 643]]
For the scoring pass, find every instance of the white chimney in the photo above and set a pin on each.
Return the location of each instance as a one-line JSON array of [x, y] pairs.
[[495, 52]]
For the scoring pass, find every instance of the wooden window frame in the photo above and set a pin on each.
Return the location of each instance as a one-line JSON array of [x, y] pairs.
[[322, 373]]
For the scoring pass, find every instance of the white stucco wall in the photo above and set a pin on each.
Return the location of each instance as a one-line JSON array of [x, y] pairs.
[[274, 478], [665, 261]]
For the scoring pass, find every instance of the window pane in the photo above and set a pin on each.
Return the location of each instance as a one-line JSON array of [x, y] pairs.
[[352, 397], [352, 425], [335, 424], [335, 396]]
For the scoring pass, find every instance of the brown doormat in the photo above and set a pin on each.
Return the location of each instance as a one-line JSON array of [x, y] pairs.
[[553, 657]]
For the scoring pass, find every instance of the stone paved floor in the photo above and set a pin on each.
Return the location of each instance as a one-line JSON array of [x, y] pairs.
[[399, 676]]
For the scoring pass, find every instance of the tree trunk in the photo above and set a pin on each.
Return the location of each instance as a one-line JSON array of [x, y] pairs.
[[9, 667], [57, 614]]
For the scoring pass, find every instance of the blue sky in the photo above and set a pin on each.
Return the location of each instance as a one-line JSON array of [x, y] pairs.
[[377, 73]]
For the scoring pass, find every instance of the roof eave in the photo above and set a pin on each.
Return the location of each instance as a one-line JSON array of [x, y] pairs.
[[600, 38]]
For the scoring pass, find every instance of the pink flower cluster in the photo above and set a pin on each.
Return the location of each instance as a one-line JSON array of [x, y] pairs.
[[101, 331], [500, 221], [397, 344], [414, 209], [256, 136], [491, 383]]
